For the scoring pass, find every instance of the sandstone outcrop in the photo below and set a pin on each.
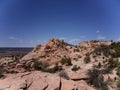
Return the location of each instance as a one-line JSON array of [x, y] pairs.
[[40, 81], [21, 74]]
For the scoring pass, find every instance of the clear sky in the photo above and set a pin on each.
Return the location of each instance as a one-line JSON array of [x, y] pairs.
[[26, 23]]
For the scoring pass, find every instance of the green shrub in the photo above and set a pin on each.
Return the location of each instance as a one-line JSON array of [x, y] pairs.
[[54, 69], [113, 63], [75, 68], [87, 58], [118, 84], [1, 73], [118, 70], [38, 65], [103, 49], [66, 61], [95, 78], [115, 46], [99, 65]]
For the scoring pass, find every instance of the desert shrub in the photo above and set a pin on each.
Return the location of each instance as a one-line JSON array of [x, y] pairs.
[[95, 41], [95, 78], [115, 46], [118, 84], [87, 58], [113, 63], [37, 65], [99, 65], [1, 73], [54, 69], [66, 61], [76, 50], [75, 68], [45, 65], [27, 66], [118, 70], [103, 49], [64, 75], [97, 51], [16, 58]]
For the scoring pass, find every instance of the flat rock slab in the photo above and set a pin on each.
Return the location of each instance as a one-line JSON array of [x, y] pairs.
[[37, 80]]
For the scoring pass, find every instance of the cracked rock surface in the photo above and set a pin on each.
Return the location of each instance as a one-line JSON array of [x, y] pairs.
[[37, 80]]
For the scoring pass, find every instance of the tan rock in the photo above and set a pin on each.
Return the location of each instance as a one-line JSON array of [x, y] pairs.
[[31, 81], [79, 75], [72, 85]]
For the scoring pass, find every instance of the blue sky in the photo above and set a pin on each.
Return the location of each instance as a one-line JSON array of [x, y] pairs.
[[26, 23]]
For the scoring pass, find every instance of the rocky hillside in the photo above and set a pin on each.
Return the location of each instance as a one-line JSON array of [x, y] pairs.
[[54, 50], [57, 65]]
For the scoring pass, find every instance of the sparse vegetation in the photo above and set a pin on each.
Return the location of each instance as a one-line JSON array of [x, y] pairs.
[[54, 69], [104, 58], [66, 61], [75, 68], [95, 78], [110, 65], [115, 46], [1, 73], [118, 70], [103, 49], [113, 63], [99, 65], [95, 41], [37, 65], [87, 58], [76, 50], [118, 84]]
